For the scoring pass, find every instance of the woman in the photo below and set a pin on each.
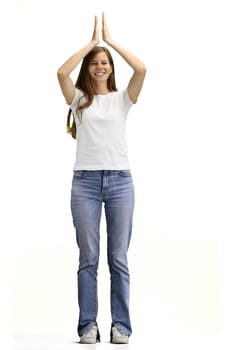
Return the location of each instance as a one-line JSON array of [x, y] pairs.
[[101, 175]]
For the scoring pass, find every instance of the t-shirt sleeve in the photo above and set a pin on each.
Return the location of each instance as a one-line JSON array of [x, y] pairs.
[[126, 100], [74, 103]]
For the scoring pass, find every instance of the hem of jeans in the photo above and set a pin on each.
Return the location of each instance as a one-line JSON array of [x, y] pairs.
[[122, 329], [87, 329]]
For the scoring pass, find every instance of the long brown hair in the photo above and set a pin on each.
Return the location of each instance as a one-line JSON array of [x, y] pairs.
[[85, 84]]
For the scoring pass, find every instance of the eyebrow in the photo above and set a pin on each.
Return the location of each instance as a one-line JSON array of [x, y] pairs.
[[104, 60]]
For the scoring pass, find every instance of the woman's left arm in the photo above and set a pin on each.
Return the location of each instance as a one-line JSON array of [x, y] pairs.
[[137, 79]]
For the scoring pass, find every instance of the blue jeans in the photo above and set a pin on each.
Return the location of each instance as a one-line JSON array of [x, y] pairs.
[[89, 190]]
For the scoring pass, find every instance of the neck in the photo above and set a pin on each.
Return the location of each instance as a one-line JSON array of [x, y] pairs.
[[101, 89]]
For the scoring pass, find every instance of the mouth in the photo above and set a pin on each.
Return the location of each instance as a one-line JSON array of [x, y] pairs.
[[99, 74]]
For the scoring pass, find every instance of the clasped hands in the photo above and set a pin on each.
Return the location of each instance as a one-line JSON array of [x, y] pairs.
[[105, 33]]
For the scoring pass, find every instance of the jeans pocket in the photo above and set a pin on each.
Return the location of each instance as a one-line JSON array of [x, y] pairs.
[[79, 174], [124, 173]]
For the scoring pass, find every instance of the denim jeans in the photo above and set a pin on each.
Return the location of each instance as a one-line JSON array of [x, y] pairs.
[[115, 189]]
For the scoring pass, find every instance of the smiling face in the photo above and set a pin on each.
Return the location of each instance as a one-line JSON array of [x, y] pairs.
[[100, 67]]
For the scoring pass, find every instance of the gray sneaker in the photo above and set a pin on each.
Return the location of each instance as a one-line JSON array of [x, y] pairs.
[[91, 337], [118, 337]]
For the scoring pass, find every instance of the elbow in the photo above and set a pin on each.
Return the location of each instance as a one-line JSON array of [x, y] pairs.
[[61, 74], [143, 69]]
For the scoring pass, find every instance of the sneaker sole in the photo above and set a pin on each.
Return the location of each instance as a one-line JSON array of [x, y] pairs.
[[119, 341], [91, 341]]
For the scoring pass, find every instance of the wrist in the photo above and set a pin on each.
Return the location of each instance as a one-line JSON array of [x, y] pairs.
[[110, 42], [94, 42]]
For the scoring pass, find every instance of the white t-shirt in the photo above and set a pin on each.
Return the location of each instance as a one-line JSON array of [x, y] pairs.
[[101, 141]]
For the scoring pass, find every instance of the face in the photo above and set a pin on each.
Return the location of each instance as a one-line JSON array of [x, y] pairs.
[[100, 67]]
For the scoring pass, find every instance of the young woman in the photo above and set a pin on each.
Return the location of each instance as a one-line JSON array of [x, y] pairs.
[[101, 175]]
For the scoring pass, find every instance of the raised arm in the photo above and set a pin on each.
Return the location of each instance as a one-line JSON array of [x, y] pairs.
[[137, 79], [63, 73]]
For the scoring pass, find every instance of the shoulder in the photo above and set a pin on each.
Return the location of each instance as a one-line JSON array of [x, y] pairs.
[[78, 94], [121, 101], [122, 96]]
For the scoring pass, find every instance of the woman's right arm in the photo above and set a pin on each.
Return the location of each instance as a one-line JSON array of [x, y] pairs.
[[63, 73]]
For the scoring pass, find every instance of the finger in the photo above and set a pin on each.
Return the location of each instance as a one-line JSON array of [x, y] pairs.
[[96, 22], [103, 19]]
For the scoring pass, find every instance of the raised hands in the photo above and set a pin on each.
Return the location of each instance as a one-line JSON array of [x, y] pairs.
[[136, 81], [95, 36], [105, 33]]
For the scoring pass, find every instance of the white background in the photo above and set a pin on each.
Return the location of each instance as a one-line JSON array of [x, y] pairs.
[[180, 145]]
